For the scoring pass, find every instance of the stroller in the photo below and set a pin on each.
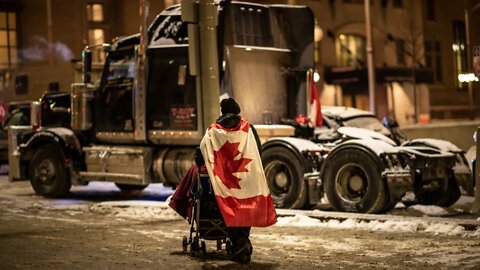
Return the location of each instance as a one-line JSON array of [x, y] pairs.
[[207, 222]]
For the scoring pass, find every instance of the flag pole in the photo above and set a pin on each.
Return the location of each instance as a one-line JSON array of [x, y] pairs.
[[309, 79]]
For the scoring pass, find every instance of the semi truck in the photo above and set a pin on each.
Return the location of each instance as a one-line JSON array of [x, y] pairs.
[[160, 89]]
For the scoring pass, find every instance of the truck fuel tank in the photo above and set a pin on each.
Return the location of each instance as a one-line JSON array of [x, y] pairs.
[[171, 164]]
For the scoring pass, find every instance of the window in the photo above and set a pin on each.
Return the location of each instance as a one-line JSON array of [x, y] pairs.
[[96, 36], [96, 29], [350, 50], [459, 48], [114, 111], [430, 10], [168, 29], [433, 59], [8, 40], [95, 12]]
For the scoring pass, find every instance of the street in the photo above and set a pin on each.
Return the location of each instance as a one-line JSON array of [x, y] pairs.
[[98, 227]]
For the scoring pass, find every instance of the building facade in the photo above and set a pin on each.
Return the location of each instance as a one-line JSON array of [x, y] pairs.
[[419, 48], [41, 40]]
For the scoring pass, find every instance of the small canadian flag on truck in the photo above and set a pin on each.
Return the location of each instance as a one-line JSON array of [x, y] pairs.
[[315, 114]]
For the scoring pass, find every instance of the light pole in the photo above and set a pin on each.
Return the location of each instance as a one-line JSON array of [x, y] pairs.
[[370, 63]]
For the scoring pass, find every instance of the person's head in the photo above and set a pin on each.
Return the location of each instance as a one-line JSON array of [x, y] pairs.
[[229, 105]]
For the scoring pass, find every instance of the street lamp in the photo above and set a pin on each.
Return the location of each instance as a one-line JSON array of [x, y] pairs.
[[370, 63]]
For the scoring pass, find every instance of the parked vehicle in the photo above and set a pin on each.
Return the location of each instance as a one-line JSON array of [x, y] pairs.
[[18, 115], [439, 188]]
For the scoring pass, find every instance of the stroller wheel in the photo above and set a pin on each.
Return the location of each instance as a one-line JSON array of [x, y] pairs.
[[219, 244], [204, 248], [194, 247], [229, 249], [184, 244]]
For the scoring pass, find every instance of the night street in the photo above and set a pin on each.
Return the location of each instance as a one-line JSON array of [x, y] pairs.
[[305, 134], [99, 227]]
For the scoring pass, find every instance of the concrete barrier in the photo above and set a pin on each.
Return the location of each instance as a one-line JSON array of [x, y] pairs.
[[458, 133]]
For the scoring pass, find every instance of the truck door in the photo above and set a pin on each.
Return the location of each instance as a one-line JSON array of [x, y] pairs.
[[173, 110]]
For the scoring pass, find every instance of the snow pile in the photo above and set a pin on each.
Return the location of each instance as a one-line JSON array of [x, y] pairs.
[[138, 210], [102, 189], [430, 210], [375, 225]]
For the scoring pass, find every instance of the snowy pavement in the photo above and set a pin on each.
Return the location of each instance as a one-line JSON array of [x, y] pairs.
[[99, 227], [106, 198]]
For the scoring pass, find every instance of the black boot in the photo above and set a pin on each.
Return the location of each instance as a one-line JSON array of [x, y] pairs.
[[243, 251]]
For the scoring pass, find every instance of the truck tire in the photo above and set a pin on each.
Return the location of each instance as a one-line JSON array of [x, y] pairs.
[[353, 183], [284, 176], [128, 187], [389, 205], [451, 195], [440, 197], [48, 175]]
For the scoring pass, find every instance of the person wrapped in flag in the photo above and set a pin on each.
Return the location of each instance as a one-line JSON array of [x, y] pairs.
[[231, 149]]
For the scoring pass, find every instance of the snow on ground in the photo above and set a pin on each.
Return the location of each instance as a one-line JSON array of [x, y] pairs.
[[138, 210], [94, 189], [430, 210], [462, 207], [386, 226], [150, 205], [463, 204], [154, 210]]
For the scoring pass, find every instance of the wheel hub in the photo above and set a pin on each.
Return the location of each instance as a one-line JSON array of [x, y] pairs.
[[45, 171], [281, 180], [355, 183], [351, 183]]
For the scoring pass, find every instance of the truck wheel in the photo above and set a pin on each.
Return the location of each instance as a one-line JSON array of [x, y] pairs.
[[453, 193], [440, 197], [389, 205], [128, 187], [284, 176], [353, 183], [48, 175]]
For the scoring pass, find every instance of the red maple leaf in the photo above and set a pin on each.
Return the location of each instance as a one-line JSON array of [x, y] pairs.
[[225, 164]]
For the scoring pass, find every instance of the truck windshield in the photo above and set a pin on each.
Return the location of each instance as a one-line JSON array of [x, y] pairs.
[[121, 67]]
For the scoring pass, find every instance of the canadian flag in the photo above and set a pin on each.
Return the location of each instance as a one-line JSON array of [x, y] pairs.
[[315, 108], [236, 173]]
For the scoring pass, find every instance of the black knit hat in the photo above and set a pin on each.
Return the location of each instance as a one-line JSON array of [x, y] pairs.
[[229, 105]]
